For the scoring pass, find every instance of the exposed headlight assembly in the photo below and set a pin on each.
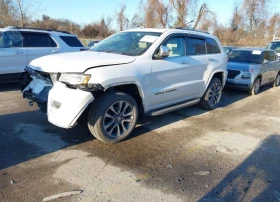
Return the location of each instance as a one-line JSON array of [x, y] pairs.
[[74, 79]]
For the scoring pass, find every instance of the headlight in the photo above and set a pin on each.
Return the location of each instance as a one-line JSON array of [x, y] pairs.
[[246, 75], [74, 79]]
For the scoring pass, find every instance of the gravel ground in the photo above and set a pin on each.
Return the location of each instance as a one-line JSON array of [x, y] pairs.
[[228, 154]]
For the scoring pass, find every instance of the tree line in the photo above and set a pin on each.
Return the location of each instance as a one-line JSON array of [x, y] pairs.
[[251, 23]]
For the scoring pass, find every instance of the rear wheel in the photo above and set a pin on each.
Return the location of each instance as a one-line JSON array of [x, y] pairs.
[[256, 87], [113, 117], [212, 95], [277, 81]]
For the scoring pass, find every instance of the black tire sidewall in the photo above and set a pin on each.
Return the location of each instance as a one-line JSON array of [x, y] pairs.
[[205, 98], [113, 98]]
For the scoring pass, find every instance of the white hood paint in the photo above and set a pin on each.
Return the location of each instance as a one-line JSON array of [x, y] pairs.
[[78, 62]]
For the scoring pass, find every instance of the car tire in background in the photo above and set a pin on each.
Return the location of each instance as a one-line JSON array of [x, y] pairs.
[[212, 95], [112, 117], [256, 87]]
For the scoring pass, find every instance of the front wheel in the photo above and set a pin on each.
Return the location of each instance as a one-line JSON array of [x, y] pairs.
[[113, 117], [212, 95], [256, 87]]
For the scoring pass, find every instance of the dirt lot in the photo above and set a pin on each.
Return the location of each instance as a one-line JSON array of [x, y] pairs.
[[228, 154]]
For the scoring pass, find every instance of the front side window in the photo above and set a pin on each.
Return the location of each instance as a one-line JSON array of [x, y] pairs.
[[127, 43], [195, 46], [272, 56], [245, 56], [212, 46], [11, 39], [176, 46], [34, 40]]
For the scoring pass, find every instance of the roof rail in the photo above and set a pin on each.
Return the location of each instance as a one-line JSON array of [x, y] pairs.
[[275, 38], [189, 29], [32, 28]]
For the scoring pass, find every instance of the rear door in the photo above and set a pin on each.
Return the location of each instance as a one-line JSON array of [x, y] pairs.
[[39, 44], [13, 54]]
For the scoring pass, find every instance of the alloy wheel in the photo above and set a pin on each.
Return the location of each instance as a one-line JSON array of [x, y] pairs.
[[118, 119]]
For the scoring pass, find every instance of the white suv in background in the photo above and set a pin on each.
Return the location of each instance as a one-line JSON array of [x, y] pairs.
[[131, 74], [19, 46]]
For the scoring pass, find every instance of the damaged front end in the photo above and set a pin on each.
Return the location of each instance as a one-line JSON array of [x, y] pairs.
[[35, 86]]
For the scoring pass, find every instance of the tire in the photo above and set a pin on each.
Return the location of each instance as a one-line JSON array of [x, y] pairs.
[[256, 87], [277, 81], [212, 95], [112, 117]]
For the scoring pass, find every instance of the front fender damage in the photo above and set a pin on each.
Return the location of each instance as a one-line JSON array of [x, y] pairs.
[[35, 86]]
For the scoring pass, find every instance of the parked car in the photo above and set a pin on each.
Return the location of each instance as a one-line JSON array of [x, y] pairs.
[[228, 49], [275, 45], [93, 43], [249, 69], [19, 46], [132, 74]]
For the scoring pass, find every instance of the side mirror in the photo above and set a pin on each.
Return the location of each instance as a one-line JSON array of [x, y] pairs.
[[163, 52], [265, 61]]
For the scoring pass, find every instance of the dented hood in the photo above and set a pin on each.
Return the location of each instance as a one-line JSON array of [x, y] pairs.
[[78, 62]]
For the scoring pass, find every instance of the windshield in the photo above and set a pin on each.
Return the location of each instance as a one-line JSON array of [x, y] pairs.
[[274, 46], [127, 43], [246, 56], [228, 49]]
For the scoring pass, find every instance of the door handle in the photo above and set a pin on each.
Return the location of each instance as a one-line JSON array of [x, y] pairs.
[[210, 59], [18, 52], [185, 62], [55, 51]]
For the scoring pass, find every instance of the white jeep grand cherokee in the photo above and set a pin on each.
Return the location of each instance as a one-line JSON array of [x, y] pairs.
[[126, 76]]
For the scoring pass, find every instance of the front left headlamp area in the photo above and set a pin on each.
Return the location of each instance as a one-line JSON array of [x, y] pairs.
[[74, 79], [246, 75]]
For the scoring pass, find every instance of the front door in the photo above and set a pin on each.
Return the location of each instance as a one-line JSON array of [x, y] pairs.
[[178, 75], [13, 54]]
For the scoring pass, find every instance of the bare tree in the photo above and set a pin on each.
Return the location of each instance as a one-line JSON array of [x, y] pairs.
[[181, 8], [255, 13], [122, 20], [26, 9], [7, 13]]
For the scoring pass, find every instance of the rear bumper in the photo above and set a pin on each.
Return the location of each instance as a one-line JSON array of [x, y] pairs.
[[65, 105]]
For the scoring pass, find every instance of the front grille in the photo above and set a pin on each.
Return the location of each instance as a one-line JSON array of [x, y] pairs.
[[232, 74]]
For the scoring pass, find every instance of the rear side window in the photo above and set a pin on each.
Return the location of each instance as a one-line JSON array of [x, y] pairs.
[[38, 40], [71, 41], [212, 46], [195, 46]]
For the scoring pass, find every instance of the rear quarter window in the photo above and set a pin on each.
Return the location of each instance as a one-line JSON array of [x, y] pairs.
[[212, 46], [71, 41]]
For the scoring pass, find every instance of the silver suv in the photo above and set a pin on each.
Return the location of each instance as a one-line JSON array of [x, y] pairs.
[[19, 46], [249, 69], [131, 74]]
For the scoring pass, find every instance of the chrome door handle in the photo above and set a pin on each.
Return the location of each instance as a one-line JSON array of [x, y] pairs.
[[185, 62], [210, 59], [18, 52], [55, 51]]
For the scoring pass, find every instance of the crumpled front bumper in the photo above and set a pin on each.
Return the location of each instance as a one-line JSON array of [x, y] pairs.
[[65, 105], [35, 86]]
